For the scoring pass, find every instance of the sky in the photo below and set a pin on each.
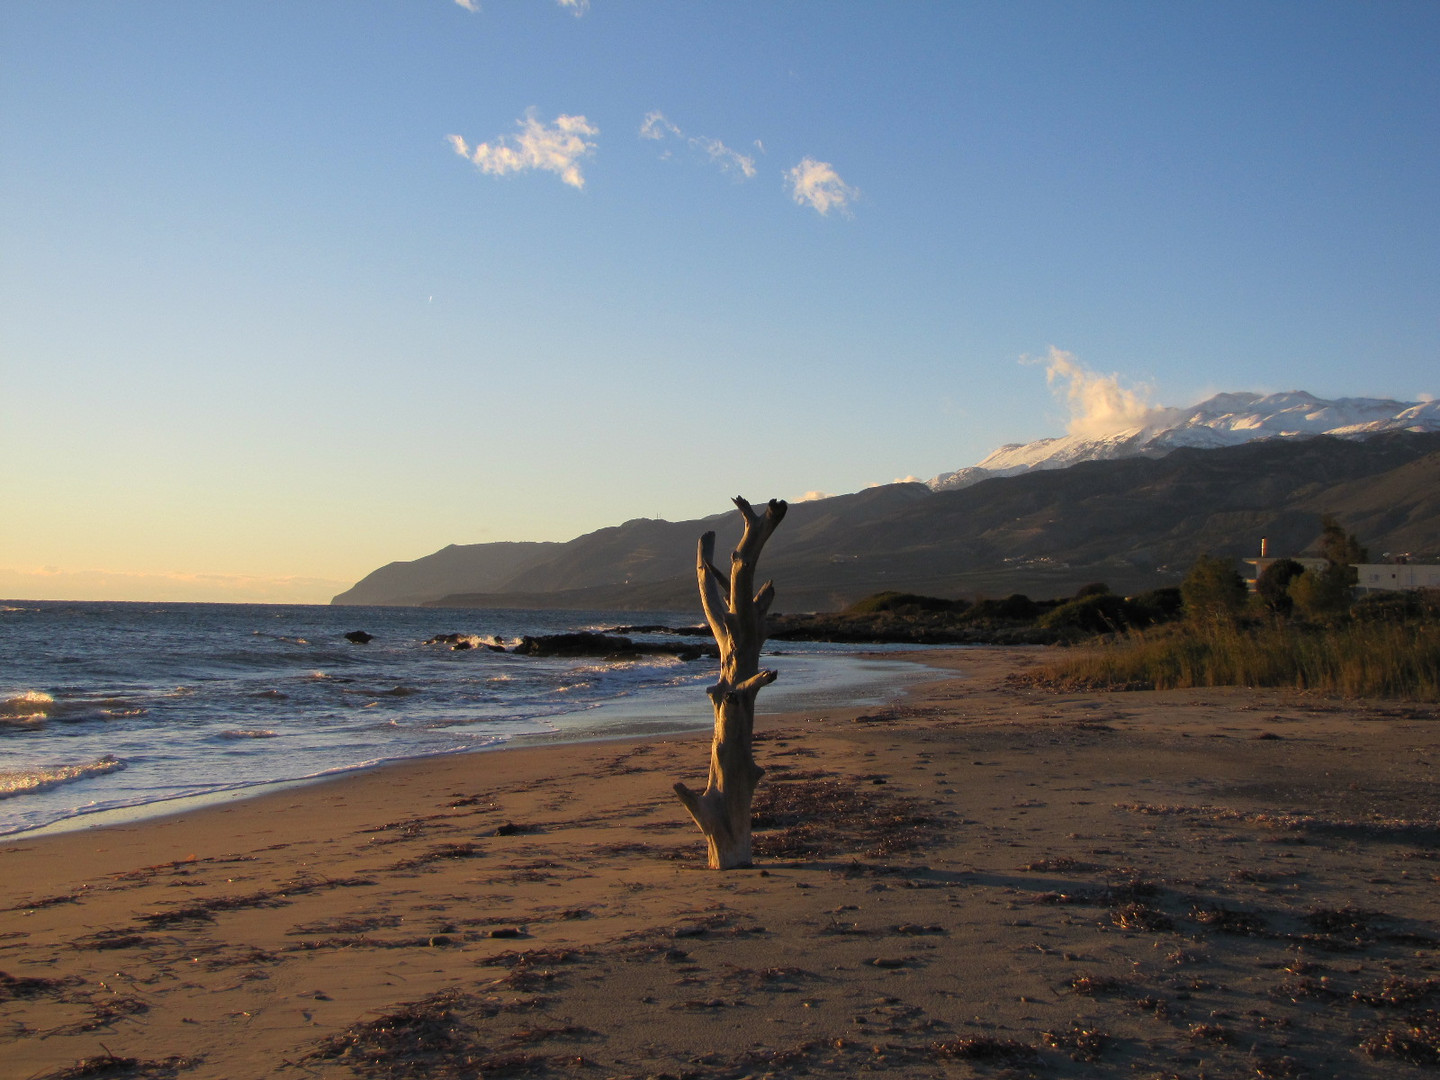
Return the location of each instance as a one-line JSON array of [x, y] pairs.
[[289, 291]]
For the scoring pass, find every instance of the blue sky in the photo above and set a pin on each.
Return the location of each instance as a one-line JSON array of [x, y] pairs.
[[263, 327]]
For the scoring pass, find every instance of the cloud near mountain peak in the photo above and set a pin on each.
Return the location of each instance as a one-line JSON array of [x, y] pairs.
[[1098, 404]]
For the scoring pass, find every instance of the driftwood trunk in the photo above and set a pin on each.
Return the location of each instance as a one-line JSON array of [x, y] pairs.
[[736, 614]]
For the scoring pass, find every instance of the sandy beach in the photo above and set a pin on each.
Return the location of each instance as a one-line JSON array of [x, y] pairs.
[[983, 879]]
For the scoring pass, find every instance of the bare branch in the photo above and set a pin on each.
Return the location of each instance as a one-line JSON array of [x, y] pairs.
[[690, 799], [712, 598], [753, 684], [764, 598]]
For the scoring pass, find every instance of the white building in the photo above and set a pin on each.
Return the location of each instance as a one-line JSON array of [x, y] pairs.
[[1398, 576]]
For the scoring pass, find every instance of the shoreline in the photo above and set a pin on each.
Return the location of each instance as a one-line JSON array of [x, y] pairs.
[[979, 877], [636, 720]]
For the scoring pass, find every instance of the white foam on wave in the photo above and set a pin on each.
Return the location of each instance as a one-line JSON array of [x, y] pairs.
[[31, 706], [280, 637], [34, 707], [43, 777], [256, 733], [572, 688]]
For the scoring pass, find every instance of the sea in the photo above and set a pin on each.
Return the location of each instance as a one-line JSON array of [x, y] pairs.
[[122, 711]]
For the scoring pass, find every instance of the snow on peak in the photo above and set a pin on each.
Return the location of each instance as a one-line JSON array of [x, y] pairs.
[[1223, 420]]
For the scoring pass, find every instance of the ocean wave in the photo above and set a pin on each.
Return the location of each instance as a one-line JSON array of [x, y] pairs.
[[256, 733], [34, 707], [280, 637], [573, 687], [31, 706], [459, 642], [394, 691], [43, 777]]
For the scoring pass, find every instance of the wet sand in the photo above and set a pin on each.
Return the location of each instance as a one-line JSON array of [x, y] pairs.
[[983, 879]]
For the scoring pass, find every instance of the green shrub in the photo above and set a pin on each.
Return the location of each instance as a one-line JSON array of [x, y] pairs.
[[1160, 605], [1097, 613], [1212, 590], [1272, 586], [902, 603], [1323, 595], [1340, 548], [1017, 607]]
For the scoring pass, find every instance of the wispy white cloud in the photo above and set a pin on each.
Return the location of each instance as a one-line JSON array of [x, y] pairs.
[[657, 126], [1098, 404], [814, 496], [817, 184], [578, 7], [556, 148], [728, 160]]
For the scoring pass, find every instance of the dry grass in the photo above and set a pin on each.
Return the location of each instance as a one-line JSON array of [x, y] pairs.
[[1371, 659]]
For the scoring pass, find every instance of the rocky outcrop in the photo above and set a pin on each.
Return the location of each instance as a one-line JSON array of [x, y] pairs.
[[606, 645], [461, 642]]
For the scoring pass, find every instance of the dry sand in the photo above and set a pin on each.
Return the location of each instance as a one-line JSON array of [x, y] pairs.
[[984, 879]]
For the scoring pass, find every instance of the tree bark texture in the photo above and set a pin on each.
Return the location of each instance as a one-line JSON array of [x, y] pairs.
[[736, 613]]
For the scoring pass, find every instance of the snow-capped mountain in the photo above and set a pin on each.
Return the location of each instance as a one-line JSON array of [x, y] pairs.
[[1223, 420]]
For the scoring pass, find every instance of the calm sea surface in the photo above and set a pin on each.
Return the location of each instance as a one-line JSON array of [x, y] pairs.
[[116, 705]]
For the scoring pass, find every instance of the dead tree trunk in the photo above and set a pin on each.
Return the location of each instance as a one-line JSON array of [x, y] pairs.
[[736, 614]]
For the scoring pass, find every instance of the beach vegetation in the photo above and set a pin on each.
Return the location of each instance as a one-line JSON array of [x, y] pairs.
[[1161, 605], [1096, 613], [1015, 607], [903, 603], [1213, 591], [1321, 595], [1385, 646], [1015, 619], [1272, 587], [1325, 594]]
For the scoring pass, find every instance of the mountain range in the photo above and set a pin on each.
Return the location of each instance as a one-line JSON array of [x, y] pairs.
[[1223, 420], [1133, 508]]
